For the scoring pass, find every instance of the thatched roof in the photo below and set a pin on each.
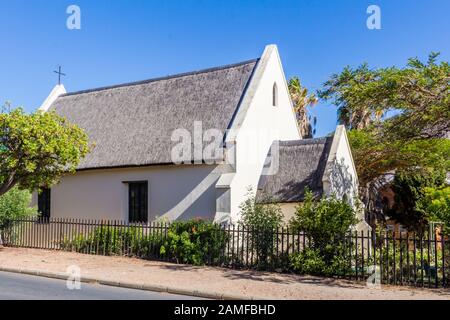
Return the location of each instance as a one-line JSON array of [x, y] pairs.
[[132, 124], [301, 164]]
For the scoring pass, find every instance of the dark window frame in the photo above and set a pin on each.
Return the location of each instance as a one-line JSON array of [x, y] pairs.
[[44, 203], [137, 201]]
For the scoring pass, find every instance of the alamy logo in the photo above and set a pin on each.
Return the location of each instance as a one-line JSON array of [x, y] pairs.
[[200, 146], [74, 20], [74, 280], [374, 20], [374, 281]]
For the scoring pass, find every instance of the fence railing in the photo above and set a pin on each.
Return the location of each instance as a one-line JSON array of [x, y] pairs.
[[392, 258]]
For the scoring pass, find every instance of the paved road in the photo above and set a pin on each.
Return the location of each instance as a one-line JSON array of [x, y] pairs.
[[24, 287]]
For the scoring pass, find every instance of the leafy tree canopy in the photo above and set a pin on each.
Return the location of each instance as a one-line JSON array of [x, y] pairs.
[[410, 190], [418, 96], [376, 156], [13, 205], [436, 205], [37, 149], [419, 93]]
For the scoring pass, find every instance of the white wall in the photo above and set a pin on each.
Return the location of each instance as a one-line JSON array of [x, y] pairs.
[[174, 192], [288, 210], [340, 177], [57, 91], [263, 123]]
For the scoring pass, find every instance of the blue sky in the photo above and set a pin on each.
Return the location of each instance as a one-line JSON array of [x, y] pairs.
[[130, 40]]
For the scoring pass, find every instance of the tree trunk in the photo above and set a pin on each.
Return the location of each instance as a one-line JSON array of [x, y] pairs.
[[8, 185], [368, 195]]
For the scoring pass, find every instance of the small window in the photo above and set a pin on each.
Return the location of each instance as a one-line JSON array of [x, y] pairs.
[[44, 203], [275, 95], [138, 202]]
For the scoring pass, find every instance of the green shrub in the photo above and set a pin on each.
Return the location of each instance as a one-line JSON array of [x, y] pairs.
[[409, 188], [327, 222], [446, 251], [15, 204], [404, 261], [109, 240], [195, 242], [330, 261], [324, 220], [436, 206], [262, 220], [308, 261]]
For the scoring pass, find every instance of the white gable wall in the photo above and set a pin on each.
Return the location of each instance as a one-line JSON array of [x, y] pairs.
[[340, 176], [261, 125], [57, 91]]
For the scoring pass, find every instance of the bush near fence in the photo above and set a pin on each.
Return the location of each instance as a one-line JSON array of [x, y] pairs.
[[195, 242], [116, 240], [402, 259]]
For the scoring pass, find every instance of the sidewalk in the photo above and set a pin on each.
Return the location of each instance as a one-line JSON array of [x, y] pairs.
[[200, 281]]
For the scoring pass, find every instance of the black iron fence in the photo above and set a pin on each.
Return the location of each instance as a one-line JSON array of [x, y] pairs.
[[397, 258]]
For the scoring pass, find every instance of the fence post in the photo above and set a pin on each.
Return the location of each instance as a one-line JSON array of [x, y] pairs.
[[107, 236], [1, 238], [436, 277], [421, 260], [363, 271], [428, 258], [245, 246], [443, 260], [356, 256]]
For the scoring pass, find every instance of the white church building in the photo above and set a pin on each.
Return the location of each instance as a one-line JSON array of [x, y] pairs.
[[191, 145]]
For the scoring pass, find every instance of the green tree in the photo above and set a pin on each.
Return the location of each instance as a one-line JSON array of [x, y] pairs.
[[376, 156], [302, 100], [37, 149], [409, 189], [418, 93], [13, 205], [436, 205], [417, 100]]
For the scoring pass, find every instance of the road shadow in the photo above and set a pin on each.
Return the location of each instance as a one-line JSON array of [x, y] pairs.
[[262, 276], [287, 278], [177, 267]]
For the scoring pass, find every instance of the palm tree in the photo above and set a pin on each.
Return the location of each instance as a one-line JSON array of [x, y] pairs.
[[358, 118], [301, 101]]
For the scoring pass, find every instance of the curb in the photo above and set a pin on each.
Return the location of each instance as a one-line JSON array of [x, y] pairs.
[[130, 285]]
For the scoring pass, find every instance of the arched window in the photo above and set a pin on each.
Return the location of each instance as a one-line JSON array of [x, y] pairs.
[[275, 95]]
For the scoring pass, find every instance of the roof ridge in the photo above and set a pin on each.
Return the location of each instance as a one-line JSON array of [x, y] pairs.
[[174, 76], [301, 142]]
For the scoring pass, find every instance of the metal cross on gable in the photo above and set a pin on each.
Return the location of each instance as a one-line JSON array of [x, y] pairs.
[[59, 74]]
